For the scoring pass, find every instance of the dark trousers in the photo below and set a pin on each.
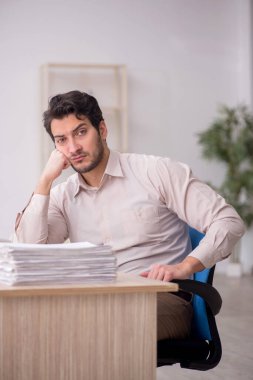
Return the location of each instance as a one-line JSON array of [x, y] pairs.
[[174, 316]]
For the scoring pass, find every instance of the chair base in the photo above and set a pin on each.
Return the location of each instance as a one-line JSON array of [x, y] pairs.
[[196, 354], [181, 351]]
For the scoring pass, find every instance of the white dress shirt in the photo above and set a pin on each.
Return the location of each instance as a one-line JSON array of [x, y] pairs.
[[141, 208]]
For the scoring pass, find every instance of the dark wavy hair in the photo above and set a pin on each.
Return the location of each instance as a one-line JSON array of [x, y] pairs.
[[73, 102]]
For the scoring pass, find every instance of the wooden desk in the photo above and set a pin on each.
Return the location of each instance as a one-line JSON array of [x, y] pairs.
[[84, 332]]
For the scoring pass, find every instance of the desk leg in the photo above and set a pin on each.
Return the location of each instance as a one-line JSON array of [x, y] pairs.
[[80, 337]]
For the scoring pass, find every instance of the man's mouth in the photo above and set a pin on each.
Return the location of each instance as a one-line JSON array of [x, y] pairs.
[[78, 158]]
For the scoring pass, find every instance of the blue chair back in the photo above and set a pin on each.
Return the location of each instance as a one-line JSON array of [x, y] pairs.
[[200, 319]]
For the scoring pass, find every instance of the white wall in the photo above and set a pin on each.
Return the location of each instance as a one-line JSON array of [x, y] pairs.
[[184, 57]]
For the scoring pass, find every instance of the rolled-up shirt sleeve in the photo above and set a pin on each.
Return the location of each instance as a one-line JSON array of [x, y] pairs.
[[41, 222], [202, 208]]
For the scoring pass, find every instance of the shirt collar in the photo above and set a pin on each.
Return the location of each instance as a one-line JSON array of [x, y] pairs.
[[113, 169]]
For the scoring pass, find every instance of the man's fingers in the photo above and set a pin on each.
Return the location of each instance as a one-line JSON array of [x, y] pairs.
[[160, 274], [154, 271], [144, 274]]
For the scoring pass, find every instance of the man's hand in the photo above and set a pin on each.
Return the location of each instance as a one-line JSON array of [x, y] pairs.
[[179, 271], [56, 164]]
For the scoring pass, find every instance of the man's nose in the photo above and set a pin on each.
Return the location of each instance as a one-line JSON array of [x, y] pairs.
[[73, 147]]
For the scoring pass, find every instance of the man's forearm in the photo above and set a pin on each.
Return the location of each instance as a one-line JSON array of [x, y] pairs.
[[44, 186]]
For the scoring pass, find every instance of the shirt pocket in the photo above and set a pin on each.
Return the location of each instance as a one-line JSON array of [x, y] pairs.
[[141, 224]]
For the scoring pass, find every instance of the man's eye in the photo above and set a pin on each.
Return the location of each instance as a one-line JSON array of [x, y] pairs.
[[81, 132], [60, 141]]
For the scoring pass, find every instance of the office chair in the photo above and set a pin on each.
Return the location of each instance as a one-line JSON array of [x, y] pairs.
[[202, 350]]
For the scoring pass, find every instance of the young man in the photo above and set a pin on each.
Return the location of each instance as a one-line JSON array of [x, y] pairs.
[[140, 205]]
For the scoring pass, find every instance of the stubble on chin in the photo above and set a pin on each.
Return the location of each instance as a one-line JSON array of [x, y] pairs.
[[94, 162], [85, 169]]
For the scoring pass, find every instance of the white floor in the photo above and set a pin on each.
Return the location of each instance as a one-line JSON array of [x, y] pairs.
[[235, 324]]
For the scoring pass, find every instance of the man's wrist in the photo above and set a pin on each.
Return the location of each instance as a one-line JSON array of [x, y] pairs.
[[44, 186], [191, 265]]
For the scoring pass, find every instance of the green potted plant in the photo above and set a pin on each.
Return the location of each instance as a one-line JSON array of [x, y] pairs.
[[229, 139]]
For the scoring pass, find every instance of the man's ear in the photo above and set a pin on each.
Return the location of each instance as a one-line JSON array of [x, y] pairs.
[[103, 130]]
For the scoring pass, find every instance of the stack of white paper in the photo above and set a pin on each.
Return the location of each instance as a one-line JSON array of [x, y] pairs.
[[73, 263]]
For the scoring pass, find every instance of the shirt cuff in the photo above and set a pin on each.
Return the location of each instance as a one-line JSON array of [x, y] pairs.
[[207, 254]]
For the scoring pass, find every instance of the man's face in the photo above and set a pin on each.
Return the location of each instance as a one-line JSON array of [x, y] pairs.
[[79, 141]]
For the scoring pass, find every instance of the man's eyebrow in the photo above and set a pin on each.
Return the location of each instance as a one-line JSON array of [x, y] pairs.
[[73, 131]]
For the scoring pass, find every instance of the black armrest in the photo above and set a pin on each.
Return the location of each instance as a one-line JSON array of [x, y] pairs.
[[206, 291]]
